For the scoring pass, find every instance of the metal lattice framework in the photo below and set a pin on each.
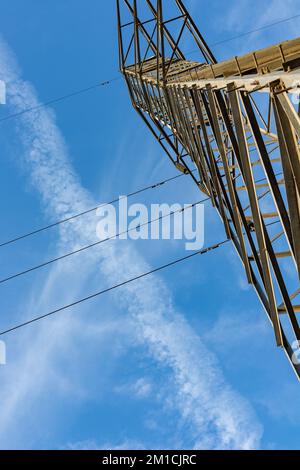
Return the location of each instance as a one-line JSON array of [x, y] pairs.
[[236, 123]]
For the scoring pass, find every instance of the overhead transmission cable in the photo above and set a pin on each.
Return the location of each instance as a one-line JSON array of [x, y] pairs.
[[99, 242], [90, 210], [119, 285], [58, 99], [117, 235], [116, 286], [93, 209]]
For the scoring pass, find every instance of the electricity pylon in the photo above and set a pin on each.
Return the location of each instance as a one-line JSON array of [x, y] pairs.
[[237, 123]]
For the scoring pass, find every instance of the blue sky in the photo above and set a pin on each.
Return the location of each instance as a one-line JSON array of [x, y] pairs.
[[183, 359]]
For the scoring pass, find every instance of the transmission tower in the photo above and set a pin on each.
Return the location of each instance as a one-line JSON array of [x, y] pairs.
[[237, 123]]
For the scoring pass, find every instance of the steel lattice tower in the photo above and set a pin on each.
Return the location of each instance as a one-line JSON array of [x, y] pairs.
[[237, 124]]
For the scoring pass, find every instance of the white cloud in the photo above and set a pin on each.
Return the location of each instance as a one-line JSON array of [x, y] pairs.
[[93, 445], [278, 403], [140, 388], [235, 330], [217, 415], [272, 11], [235, 20]]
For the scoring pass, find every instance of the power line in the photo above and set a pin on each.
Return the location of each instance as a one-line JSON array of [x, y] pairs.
[[116, 286], [99, 242], [108, 82], [59, 99], [93, 209]]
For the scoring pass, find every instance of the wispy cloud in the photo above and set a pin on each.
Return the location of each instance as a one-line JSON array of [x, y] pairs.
[[241, 16], [217, 415], [93, 445], [140, 388], [235, 18]]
